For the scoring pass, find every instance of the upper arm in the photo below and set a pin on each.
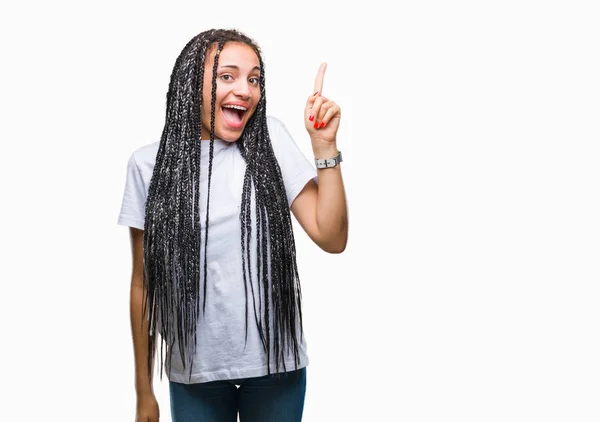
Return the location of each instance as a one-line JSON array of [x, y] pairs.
[[132, 212], [137, 255], [327, 230], [304, 209]]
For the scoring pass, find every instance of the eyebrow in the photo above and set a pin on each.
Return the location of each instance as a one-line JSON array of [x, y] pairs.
[[232, 66]]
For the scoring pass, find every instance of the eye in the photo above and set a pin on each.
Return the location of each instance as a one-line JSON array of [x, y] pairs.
[[255, 81], [226, 77]]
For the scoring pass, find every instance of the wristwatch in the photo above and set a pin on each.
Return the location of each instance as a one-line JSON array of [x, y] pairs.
[[327, 163]]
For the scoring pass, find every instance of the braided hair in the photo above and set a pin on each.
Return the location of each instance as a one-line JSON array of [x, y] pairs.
[[172, 231]]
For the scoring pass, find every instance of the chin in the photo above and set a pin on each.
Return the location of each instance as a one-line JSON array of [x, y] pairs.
[[230, 135]]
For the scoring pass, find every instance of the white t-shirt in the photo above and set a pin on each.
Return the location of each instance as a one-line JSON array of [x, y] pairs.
[[221, 352]]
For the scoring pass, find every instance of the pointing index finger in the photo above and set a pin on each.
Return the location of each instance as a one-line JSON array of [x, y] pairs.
[[319, 79]]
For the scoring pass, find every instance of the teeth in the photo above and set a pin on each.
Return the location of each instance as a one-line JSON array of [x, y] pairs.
[[237, 107]]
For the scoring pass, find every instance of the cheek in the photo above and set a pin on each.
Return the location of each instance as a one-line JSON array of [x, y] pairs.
[[256, 96], [207, 103], [207, 95]]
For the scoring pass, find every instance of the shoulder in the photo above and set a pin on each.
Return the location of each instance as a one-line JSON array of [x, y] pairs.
[[277, 127], [274, 122], [145, 156], [146, 153], [278, 133]]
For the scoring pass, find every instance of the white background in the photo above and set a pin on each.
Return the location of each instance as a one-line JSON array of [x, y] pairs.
[[469, 288]]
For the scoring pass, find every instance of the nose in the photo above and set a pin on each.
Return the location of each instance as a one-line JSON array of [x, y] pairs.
[[242, 89]]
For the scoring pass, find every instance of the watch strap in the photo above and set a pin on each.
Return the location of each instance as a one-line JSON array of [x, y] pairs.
[[328, 162]]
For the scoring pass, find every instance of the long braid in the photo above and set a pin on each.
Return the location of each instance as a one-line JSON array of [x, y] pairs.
[[173, 231], [211, 152], [263, 168]]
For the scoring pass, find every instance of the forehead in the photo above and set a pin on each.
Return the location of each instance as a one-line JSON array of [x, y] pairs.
[[234, 53]]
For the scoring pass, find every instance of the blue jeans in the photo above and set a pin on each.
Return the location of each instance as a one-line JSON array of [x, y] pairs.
[[271, 398]]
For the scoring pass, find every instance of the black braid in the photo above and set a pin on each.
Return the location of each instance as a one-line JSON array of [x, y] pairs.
[[172, 231], [212, 147]]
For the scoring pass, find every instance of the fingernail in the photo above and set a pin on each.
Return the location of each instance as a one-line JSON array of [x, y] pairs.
[[311, 117], [322, 124], [316, 125]]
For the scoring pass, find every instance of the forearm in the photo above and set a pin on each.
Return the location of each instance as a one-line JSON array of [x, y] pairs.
[[332, 212], [139, 332]]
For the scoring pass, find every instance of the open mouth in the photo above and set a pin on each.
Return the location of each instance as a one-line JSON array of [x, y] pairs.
[[234, 115]]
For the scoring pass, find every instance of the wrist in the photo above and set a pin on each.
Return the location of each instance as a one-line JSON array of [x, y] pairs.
[[145, 392], [325, 151], [144, 388]]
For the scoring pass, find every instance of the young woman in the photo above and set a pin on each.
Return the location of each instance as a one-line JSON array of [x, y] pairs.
[[214, 266]]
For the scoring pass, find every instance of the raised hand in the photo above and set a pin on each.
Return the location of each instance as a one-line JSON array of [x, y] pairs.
[[321, 115]]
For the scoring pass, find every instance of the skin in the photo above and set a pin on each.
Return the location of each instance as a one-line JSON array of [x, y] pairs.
[[238, 84], [320, 210], [146, 403]]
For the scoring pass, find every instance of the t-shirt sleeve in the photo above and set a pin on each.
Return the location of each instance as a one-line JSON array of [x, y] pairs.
[[133, 206], [296, 169]]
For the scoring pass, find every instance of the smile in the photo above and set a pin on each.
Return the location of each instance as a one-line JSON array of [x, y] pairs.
[[234, 115]]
